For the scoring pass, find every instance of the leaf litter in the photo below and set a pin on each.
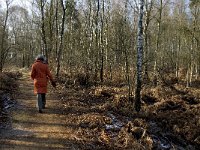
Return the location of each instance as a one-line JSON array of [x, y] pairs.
[[105, 119]]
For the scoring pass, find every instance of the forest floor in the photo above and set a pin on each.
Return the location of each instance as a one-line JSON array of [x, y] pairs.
[[100, 117]]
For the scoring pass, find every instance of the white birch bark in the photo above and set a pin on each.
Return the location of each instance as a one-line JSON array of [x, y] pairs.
[[139, 58]]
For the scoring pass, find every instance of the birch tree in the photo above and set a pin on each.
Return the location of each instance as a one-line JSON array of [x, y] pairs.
[[139, 58]]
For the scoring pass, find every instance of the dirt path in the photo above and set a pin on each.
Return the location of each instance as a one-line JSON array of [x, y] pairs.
[[34, 131]]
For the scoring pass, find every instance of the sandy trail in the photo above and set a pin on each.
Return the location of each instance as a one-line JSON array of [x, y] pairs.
[[33, 131]]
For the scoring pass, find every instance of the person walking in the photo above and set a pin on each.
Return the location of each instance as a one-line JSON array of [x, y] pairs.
[[40, 74]]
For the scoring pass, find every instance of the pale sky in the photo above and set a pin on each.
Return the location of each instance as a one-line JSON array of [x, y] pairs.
[[27, 3], [23, 3]]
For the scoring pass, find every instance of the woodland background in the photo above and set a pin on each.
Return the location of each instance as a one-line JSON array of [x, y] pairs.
[[99, 37], [91, 47]]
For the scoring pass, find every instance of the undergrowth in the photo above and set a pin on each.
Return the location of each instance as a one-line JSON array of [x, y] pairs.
[[170, 116], [8, 89]]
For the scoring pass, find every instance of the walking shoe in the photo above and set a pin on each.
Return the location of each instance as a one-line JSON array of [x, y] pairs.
[[40, 111]]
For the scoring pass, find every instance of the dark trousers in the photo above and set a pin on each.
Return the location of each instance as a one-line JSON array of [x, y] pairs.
[[41, 100]]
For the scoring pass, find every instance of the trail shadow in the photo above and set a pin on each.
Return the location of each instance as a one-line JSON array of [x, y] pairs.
[[28, 123], [50, 110], [28, 141]]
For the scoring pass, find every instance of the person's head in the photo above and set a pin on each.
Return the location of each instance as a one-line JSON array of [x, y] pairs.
[[40, 57]]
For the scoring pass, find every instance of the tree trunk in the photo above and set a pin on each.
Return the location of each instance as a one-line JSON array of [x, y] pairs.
[[64, 7], [97, 40], [146, 38], [102, 45], [51, 26], [158, 44], [124, 41], [139, 58], [42, 4], [177, 57], [57, 30]]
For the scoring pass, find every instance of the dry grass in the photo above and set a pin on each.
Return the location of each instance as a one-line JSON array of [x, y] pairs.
[[170, 116]]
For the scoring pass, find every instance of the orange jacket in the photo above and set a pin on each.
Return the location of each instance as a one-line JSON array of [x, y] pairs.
[[40, 74]]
